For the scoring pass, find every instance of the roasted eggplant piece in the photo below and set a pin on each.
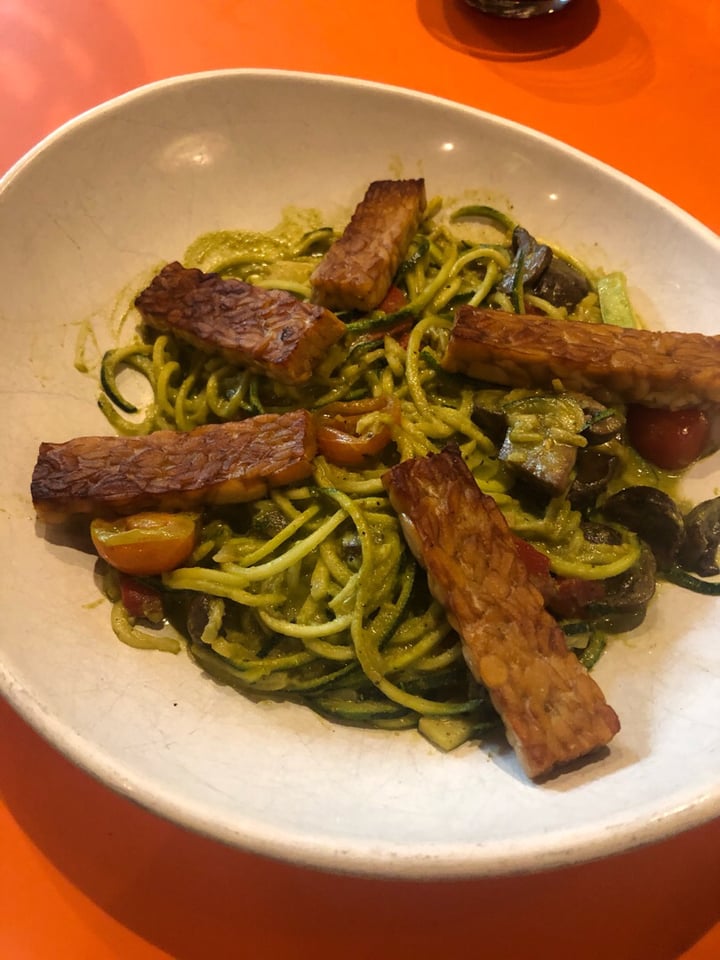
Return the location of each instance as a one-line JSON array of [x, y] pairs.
[[489, 415], [561, 284], [653, 516], [542, 439]]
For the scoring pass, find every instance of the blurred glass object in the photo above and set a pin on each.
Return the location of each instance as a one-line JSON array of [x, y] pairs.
[[518, 9]]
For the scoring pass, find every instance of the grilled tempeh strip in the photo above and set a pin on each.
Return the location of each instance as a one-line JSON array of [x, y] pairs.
[[652, 367], [553, 711], [218, 463], [358, 269], [266, 330]]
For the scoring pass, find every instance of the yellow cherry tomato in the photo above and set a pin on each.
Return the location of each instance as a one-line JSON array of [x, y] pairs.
[[145, 544]]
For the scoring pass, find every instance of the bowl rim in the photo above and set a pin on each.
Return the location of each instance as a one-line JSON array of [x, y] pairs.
[[579, 844]]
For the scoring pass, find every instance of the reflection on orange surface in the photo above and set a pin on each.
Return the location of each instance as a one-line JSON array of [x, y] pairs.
[[57, 60], [492, 38], [617, 63], [195, 899]]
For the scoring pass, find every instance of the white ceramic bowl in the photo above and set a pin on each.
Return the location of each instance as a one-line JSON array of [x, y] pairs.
[[131, 184]]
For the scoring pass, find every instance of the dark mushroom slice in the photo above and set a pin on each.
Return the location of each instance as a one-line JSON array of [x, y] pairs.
[[535, 267], [653, 516], [627, 596], [198, 616], [699, 547], [351, 549], [267, 520], [530, 260], [593, 471], [603, 423], [595, 532]]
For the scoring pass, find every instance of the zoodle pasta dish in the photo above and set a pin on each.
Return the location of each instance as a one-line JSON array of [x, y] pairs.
[[410, 473]]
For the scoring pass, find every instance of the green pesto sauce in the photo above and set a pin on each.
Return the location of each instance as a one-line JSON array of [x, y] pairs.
[[635, 471]]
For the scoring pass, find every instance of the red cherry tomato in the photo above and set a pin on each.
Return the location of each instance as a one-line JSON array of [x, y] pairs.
[[145, 544], [393, 301], [141, 601], [671, 439], [537, 564]]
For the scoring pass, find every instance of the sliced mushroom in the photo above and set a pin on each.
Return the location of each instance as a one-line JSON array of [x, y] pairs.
[[530, 257], [267, 520], [699, 548], [593, 471], [653, 516], [198, 616], [601, 533], [603, 423], [627, 595], [543, 273]]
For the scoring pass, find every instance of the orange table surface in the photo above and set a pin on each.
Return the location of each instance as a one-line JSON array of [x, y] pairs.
[[84, 873]]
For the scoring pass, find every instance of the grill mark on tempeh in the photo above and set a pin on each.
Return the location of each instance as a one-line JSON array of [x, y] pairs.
[[358, 269], [651, 367], [217, 463], [266, 330], [552, 709]]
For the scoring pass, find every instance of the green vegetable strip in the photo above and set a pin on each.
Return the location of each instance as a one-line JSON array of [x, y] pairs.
[[682, 578], [270, 546], [615, 305], [483, 212], [128, 633], [309, 631], [244, 575]]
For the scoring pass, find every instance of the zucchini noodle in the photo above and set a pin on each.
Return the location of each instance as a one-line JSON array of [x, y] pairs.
[[311, 593]]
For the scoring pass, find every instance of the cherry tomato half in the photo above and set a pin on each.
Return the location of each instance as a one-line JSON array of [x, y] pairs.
[[336, 430], [348, 449], [145, 544], [671, 439]]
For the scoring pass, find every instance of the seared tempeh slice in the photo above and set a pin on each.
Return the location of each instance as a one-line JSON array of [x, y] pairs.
[[552, 709], [217, 463], [267, 330], [652, 367], [357, 271]]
